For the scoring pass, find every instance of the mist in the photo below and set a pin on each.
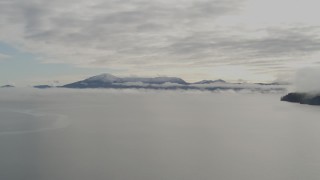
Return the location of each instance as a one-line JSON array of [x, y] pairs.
[[152, 134], [307, 80]]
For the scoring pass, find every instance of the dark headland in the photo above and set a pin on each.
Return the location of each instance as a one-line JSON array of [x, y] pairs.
[[303, 98], [7, 86]]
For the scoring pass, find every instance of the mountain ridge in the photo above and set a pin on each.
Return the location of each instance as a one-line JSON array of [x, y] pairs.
[[210, 81], [170, 83], [108, 80]]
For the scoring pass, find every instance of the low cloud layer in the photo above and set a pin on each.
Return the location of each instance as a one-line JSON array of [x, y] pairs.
[[143, 36], [216, 87]]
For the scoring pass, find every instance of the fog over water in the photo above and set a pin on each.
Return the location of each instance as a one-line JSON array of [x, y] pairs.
[[307, 80], [61, 134]]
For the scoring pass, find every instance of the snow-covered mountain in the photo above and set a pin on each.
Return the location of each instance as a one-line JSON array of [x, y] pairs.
[[108, 80]]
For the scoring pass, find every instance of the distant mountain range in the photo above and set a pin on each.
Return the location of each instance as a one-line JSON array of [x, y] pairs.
[[43, 86], [111, 81], [175, 83], [210, 81]]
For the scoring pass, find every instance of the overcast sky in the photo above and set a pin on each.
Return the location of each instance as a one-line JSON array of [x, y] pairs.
[[256, 40]]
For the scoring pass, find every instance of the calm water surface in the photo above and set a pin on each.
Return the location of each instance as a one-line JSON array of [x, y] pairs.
[[156, 135]]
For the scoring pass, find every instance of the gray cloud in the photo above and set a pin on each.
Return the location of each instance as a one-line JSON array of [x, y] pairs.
[[133, 34], [277, 43]]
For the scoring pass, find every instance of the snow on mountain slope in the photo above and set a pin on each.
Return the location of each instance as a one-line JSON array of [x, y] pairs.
[[108, 78]]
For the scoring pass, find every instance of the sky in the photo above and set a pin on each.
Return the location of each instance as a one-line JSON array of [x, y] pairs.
[[44, 41]]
